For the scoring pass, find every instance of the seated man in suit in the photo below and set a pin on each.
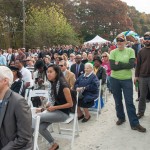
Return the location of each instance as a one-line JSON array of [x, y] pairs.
[[15, 116], [78, 67], [69, 76]]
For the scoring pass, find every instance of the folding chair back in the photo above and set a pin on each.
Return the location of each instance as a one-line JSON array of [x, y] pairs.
[[36, 133], [75, 128], [35, 93], [97, 103]]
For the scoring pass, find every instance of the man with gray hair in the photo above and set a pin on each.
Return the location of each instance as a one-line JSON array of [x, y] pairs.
[[15, 116]]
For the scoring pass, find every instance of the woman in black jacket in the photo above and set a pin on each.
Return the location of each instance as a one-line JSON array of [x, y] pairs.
[[18, 84]]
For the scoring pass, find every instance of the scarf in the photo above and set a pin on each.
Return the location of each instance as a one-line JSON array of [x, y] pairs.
[[53, 92]]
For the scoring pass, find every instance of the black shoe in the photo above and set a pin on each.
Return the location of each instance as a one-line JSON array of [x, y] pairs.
[[140, 115], [120, 122], [81, 117], [85, 120], [139, 128]]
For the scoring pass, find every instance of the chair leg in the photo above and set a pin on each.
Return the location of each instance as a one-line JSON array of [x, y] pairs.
[[59, 130], [77, 126]]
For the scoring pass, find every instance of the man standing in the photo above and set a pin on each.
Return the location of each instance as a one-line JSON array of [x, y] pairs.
[[142, 73], [2, 59], [9, 56], [15, 116]]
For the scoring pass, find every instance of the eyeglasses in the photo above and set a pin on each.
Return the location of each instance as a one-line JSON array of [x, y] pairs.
[[61, 65], [104, 56], [120, 40], [147, 38]]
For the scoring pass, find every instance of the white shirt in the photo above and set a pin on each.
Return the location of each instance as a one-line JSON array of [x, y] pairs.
[[26, 76]]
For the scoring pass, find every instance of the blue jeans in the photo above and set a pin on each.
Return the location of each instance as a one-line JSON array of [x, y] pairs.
[[125, 86]]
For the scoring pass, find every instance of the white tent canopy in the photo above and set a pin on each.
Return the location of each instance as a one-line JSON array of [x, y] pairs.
[[97, 39]]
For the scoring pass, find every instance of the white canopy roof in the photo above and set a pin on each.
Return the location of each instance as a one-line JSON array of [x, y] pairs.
[[97, 39]]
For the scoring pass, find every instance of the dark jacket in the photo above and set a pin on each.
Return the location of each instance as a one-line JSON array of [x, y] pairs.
[[81, 69], [15, 123], [101, 74], [91, 85], [18, 87]]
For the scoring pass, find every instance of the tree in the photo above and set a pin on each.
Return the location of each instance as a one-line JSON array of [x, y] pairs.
[[48, 26]]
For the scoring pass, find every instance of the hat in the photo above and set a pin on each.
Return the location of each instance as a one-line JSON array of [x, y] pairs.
[[13, 68], [147, 34], [98, 59], [121, 36]]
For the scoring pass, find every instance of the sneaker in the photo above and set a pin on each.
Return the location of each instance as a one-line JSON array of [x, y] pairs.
[[140, 115], [120, 122], [139, 128]]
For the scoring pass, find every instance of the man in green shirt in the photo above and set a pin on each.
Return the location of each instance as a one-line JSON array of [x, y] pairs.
[[121, 62]]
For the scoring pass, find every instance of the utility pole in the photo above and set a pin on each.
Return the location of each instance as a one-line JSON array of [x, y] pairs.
[[24, 23]]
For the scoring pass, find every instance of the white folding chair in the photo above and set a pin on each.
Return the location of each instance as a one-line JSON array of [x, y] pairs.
[[99, 100], [97, 107], [74, 118], [36, 133], [105, 91], [34, 93]]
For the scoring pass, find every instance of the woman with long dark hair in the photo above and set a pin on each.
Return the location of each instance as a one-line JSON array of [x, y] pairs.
[[60, 102]]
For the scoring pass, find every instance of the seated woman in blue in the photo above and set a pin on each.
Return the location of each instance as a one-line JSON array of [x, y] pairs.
[[60, 103], [88, 85]]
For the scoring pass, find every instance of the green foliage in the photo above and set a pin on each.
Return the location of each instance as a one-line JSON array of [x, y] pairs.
[[48, 23], [48, 26]]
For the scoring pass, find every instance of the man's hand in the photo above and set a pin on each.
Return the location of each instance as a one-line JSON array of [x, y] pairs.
[[116, 63]]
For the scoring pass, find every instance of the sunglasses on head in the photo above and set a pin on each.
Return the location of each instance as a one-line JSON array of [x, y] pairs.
[[61, 65], [104, 56], [120, 40], [147, 38]]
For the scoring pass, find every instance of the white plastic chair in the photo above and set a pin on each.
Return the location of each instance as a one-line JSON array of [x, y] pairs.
[[36, 132]]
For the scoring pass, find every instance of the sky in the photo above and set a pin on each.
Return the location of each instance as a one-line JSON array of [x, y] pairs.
[[140, 5]]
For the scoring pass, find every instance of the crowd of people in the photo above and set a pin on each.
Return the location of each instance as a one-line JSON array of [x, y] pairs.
[[64, 71]]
